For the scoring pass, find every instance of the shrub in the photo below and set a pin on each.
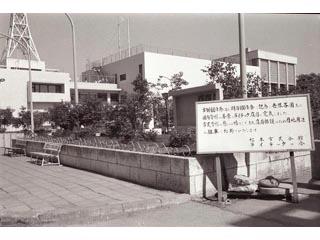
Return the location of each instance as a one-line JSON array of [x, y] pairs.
[[150, 135], [84, 132], [2, 130], [180, 138]]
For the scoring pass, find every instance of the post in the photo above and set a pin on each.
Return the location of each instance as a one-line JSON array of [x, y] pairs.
[[219, 181], [30, 94], [76, 97], [243, 73], [242, 56], [119, 46], [129, 42], [295, 197]]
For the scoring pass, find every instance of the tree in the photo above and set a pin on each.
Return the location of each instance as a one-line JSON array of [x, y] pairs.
[[24, 119], [163, 104], [176, 82], [139, 104], [6, 117], [310, 83], [226, 75]]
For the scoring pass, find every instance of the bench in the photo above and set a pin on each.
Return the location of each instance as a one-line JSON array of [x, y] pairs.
[[19, 148], [49, 154]]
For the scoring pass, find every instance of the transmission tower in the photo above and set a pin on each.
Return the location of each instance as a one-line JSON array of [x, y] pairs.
[[20, 31]]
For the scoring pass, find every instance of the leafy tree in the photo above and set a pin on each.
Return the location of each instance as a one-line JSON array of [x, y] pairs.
[[226, 75], [310, 83], [6, 117], [24, 119], [163, 103], [60, 115], [176, 82], [139, 104]]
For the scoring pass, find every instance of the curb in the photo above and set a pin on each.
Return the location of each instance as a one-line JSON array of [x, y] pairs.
[[88, 214]]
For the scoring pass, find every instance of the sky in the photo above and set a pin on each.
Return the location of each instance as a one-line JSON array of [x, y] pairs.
[[216, 34]]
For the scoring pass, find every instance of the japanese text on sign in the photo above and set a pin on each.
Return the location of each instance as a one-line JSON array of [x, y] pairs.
[[259, 124]]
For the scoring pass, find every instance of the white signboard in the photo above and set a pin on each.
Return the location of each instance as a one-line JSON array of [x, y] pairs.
[[254, 125]]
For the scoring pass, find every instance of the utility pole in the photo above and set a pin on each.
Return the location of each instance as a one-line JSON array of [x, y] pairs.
[[129, 43], [242, 55], [243, 73], [119, 47]]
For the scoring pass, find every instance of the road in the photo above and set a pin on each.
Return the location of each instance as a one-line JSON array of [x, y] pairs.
[[205, 213]]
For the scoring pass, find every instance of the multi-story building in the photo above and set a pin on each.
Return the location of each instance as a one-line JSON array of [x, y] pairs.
[[277, 70], [48, 86], [152, 62]]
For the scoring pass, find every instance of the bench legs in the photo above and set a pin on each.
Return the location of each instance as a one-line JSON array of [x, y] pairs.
[[46, 161]]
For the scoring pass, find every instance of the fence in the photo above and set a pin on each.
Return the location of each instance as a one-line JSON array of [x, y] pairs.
[[136, 146], [147, 48]]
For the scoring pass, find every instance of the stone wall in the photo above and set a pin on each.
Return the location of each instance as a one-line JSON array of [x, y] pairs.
[[193, 175]]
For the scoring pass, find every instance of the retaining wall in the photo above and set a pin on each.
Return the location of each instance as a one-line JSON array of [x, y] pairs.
[[193, 175]]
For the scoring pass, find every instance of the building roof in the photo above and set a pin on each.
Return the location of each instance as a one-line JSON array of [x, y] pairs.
[[185, 91]]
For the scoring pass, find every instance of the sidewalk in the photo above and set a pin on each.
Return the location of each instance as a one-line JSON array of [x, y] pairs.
[[32, 195]]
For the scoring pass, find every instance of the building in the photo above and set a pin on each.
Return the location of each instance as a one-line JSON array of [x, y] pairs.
[[184, 103], [277, 70], [152, 62], [49, 86]]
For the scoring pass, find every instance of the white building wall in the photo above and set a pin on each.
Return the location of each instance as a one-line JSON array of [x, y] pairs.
[[14, 90], [128, 66], [168, 65]]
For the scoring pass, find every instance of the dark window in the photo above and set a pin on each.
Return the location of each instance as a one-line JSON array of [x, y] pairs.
[[103, 96], [116, 78], [140, 69], [123, 77], [114, 97], [51, 88], [205, 97]]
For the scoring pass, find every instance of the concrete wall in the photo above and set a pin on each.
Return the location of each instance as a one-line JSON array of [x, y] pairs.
[[193, 175]]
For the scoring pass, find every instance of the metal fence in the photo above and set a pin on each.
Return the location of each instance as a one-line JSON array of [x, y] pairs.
[[147, 48], [135, 146]]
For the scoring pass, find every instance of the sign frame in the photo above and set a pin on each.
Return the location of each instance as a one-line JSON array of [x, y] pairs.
[[253, 99]]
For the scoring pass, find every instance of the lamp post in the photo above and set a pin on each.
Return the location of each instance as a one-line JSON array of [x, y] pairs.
[[76, 96], [30, 79]]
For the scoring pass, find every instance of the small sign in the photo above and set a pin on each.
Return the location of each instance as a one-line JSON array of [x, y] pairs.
[[265, 124]]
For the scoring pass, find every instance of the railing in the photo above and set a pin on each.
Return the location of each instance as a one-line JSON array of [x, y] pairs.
[[137, 146], [147, 48]]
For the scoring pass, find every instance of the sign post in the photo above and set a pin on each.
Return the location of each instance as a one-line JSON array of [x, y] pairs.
[[267, 124], [219, 179], [295, 197]]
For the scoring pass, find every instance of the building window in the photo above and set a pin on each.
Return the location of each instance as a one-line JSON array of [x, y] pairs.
[[103, 96], [123, 77], [116, 78], [205, 97], [47, 88], [140, 69], [114, 97]]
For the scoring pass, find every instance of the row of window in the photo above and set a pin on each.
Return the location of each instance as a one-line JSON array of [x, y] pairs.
[[47, 88]]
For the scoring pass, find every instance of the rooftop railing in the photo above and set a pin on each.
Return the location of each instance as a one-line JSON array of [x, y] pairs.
[[147, 48]]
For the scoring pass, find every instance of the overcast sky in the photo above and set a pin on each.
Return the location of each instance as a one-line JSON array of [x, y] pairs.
[[215, 34]]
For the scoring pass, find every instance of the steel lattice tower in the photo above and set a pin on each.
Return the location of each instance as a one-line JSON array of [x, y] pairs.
[[19, 30]]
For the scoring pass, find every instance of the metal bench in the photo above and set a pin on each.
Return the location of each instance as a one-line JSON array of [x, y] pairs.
[[19, 148], [49, 154]]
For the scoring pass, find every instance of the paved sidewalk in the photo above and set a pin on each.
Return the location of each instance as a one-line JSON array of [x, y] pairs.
[[31, 194]]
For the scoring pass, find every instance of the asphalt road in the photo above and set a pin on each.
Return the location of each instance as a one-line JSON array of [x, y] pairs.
[[241, 212]]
